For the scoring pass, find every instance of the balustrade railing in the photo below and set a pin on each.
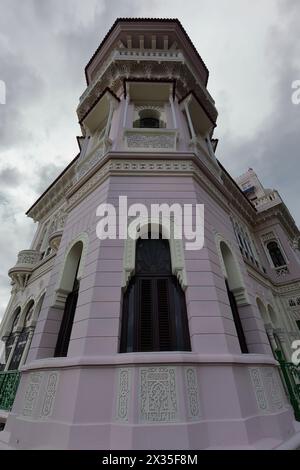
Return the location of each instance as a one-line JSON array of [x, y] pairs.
[[9, 382], [291, 376]]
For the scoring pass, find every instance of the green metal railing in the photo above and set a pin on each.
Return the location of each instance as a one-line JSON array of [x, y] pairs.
[[291, 376], [9, 382]]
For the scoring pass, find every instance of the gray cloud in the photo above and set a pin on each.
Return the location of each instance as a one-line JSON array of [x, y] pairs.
[[46, 174], [274, 149], [250, 48], [10, 176], [44, 46], [23, 87]]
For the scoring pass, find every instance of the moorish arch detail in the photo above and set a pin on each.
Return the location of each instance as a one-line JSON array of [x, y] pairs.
[[238, 286], [167, 227], [63, 287]]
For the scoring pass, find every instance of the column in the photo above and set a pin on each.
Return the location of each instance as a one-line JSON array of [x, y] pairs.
[[108, 124], [173, 112], [26, 349], [285, 347], [210, 148], [269, 331], [191, 127], [125, 110], [12, 352]]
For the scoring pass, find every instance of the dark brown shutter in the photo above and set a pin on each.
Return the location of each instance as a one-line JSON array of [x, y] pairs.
[[146, 315], [65, 330], [18, 352], [163, 314], [154, 314], [237, 320]]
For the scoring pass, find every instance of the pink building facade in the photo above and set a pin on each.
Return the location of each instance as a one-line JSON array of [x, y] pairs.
[[88, 364]]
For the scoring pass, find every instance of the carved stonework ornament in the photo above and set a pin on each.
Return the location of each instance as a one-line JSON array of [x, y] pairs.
[[158, 394]]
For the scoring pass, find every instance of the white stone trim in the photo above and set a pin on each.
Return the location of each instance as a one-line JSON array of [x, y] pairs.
[[60, 294], [192, 391], [272, 237], [123, 394], [21, 322], [37, 310], [239, 290], [9, 319], [144, 166]]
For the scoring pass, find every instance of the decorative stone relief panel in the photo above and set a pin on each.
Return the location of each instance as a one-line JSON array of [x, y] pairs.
[[269, 236], [123, 397], [267, 388], [158, 394], [151, 140], [273, 388], [32, 392], [191, 384], [40, 394], [50, 393]]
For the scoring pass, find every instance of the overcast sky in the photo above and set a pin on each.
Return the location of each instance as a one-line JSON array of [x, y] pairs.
[[251, 48]]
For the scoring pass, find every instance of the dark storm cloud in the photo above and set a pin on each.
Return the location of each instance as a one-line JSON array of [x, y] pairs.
[[274, 150]]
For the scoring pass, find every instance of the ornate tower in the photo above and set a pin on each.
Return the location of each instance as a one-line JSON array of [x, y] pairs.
[[142, 343]]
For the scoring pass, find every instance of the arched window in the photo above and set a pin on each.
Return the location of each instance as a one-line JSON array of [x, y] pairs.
[[275, 254], [29, 313], [22, 339], [233, 283], [149, 122], [262, 311], [154, 308], [11, 338], [279, 347], [264, 315], [149, 118], [272, 316], [71, 285]]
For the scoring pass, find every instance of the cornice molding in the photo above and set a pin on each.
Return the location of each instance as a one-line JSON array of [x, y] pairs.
[[267, 282], [280, 212], [119, 70], [125, 163], [54, 196]]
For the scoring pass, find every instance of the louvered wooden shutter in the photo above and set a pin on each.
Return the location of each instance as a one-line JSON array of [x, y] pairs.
[[145, 321], [237, 320], [163, 314], [65, 330], [154, 308]]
